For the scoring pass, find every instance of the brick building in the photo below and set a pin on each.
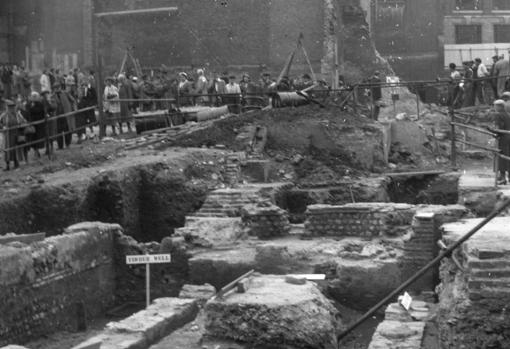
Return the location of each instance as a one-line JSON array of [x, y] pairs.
[[476, 28], [226, 34], [223, 33]]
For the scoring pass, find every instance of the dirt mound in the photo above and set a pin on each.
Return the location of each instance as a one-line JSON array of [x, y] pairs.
[[308, 143]]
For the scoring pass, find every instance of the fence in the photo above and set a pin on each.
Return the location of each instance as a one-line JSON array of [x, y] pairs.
[[48, 137], [493, 132]]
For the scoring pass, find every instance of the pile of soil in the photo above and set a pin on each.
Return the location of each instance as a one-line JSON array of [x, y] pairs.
[[307, 144]]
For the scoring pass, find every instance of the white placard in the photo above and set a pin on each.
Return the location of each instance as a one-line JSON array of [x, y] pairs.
[[405, 301], [148, 259]]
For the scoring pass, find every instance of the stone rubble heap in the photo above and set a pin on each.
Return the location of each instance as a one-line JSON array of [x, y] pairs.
[[265, 220]]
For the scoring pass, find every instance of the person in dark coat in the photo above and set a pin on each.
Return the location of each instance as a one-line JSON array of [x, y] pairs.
[[125, 92], [10, 120], [87, 98], [65, 104], [50, 107], [376, 94], [502, 122], [35, 112]]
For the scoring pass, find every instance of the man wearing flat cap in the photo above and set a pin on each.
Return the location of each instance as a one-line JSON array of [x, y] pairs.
[[502, 122]]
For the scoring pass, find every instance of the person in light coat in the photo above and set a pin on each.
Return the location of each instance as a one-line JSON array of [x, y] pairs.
[[111, 104]]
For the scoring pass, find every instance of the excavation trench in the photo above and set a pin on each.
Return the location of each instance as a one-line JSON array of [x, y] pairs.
[[364, 249]]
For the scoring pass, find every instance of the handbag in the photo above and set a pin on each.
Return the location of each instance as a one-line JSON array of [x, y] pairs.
[[29, 130]]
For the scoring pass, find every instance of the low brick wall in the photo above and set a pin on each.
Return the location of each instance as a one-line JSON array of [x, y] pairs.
[[265, 220], [146, 327], [43, 285], [363, 219]]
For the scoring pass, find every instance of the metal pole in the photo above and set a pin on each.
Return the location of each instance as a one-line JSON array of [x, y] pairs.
[[148, 284], [453, 148], [423, 270]]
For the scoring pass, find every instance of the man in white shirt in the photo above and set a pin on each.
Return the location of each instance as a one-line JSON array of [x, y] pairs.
[[45, 82], [232, 86], [479, 85], [454, 89]]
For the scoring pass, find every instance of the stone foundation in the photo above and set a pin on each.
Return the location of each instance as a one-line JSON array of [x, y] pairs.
[[274, 313], [363, 219], [43, 285], [401, 328]]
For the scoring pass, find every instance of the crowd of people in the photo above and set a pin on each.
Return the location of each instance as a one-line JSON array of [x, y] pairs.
[[43, 101], [58, 94], [475, 82]]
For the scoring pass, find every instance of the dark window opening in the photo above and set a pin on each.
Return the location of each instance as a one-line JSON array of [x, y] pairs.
[[468, 34], [502, 33], [501, 5], [469, 5]]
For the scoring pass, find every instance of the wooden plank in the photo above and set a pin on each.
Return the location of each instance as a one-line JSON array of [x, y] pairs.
[[233, 284], [417, 173], [137, 12]]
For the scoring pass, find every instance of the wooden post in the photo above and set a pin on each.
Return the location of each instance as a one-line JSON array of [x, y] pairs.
[[148, 284], [453, 148], [98, 64], [47, 131], [496, 169], [417, 103]]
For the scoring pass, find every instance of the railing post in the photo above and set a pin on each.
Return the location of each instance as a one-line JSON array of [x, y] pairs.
[[453, 146], [47, 133]]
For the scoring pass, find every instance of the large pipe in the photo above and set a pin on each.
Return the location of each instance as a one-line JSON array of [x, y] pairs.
[[212, 113], [288, 99], [423, 270]]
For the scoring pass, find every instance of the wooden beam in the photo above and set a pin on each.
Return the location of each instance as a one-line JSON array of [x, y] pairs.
[[137, 12], [410, 174]]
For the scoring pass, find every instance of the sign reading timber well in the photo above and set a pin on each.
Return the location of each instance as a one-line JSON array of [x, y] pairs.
[[148, 259]]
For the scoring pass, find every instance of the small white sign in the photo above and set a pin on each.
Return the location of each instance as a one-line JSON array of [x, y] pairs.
[[148, 259], [405, 301], [311, 277]]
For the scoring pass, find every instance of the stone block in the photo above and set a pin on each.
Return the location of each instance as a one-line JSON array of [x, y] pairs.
[[274, 313], [396, 334], [201, 293]]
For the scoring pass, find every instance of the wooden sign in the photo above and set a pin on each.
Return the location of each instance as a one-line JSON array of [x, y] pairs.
[[148, 259]]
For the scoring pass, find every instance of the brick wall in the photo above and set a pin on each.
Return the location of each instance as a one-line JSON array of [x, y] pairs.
[[473, 301], [363, 219], [422, 247], [43, 284]]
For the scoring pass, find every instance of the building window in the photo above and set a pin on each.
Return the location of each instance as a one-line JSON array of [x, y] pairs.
[[502, 33], [501, 5], [469, 5], [468, 34]]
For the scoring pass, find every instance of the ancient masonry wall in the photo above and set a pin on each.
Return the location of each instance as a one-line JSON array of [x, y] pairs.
[[363, 219], [474, 299], [43, 286], [422, 246]]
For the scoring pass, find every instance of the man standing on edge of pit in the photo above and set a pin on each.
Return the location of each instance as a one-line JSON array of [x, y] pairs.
[[376, 94], [502, 122]]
